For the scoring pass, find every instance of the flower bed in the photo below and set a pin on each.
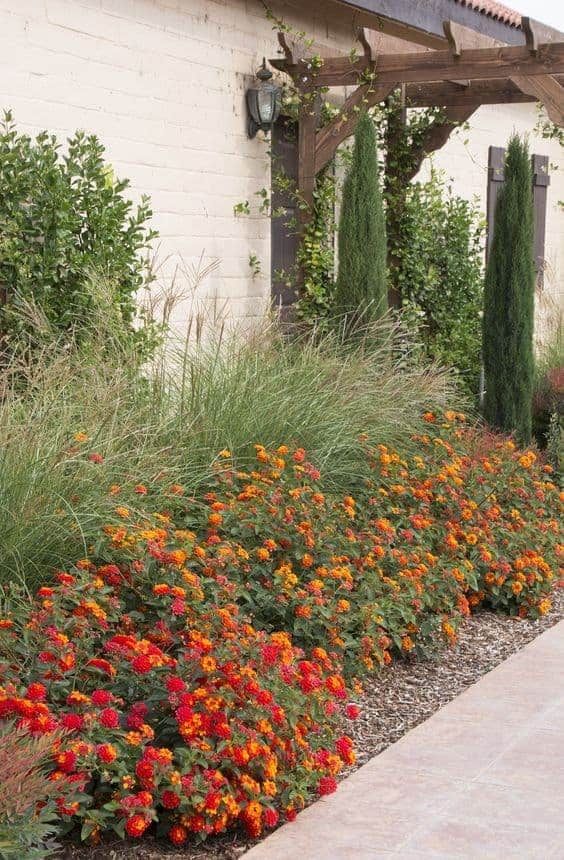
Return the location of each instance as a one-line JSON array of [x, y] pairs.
[[201, 661]]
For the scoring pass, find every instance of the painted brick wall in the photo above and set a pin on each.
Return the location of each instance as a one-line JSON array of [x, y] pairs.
[[162, 82]]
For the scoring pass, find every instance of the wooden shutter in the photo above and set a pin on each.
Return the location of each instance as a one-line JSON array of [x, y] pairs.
[[541, 181], [496, 176], [284, 235]]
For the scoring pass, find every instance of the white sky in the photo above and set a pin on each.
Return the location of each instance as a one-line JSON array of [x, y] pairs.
[[547, 11]]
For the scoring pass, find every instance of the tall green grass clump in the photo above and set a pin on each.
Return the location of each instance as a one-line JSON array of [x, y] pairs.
[[548, 398], [76, 423]]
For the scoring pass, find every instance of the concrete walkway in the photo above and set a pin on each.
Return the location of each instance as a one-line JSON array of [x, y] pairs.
[[482, 778]]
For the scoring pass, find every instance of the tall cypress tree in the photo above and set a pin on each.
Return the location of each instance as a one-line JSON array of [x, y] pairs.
[[361, 289], [509, 301]]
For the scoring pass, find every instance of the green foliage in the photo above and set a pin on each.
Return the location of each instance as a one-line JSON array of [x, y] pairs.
[[63, 215], [28, 817], [362, 280], [548, 398], [550, 131], [316, 256], [439, 275], [255, 265], [401, 136], [509, 302]]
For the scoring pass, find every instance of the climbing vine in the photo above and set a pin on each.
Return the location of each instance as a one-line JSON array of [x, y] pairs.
[[402, 135]]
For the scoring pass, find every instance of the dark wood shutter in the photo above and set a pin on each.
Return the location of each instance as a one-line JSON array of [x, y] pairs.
[[496, 176], [284, 235], [541, 181]]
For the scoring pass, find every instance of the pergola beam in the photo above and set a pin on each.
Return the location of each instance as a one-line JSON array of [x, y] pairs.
[[342, 126], [473, 64], [448, 94], [445, 95], [545, 89]]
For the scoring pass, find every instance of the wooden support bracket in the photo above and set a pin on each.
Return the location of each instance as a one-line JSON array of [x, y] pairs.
[[439, 133], [452, 33], [532, 36], [362, 36], [547, 90], [342, 126], [288, 52]]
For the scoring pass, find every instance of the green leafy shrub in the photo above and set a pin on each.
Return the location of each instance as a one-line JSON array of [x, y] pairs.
[[439, 274], [63, 215]]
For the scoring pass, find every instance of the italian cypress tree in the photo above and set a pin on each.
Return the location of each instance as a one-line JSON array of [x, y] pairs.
[[361, 288], [509, 301]]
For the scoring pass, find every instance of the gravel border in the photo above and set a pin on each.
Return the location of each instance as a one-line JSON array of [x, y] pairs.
[[411, 691], [398, 699]]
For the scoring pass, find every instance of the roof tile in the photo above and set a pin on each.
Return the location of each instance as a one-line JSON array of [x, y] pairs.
[[493, 10]]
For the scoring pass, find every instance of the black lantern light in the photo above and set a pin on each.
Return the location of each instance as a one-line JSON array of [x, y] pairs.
[[263, 102]]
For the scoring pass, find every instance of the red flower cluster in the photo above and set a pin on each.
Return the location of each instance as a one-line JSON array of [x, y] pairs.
[[197, 721], [201, 676]]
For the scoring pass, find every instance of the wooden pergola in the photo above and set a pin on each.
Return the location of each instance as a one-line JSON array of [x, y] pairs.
[[457, 80]]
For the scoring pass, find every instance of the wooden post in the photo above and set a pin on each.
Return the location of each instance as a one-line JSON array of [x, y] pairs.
[[307, 126], [395, 190]]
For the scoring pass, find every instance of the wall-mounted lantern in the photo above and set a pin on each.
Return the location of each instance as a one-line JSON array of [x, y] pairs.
[[263, 102]]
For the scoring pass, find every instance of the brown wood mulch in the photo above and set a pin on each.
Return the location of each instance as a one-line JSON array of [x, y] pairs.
[[395, 701]]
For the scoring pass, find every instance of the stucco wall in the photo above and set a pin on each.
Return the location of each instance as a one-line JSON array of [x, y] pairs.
[[162, 82], [465, 161]]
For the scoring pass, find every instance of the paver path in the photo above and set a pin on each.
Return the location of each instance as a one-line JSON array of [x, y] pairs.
[[482, 778]]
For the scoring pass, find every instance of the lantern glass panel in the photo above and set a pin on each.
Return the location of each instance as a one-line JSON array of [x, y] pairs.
[[266, 102]]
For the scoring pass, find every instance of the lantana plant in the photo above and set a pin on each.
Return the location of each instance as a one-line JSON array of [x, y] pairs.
[[197, 670]]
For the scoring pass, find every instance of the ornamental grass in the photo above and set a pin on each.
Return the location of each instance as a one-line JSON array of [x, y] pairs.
[[205, 653], [174, 416]]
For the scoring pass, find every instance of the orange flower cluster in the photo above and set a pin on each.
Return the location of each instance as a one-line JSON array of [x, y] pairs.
[[202, 674], [172, 711]]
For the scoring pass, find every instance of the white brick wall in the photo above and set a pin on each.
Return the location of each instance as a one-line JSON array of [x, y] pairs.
[[162, 82]]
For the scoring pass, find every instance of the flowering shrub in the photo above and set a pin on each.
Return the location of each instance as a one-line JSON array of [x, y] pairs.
[[504, 512], [174, 707], [201, 659]]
